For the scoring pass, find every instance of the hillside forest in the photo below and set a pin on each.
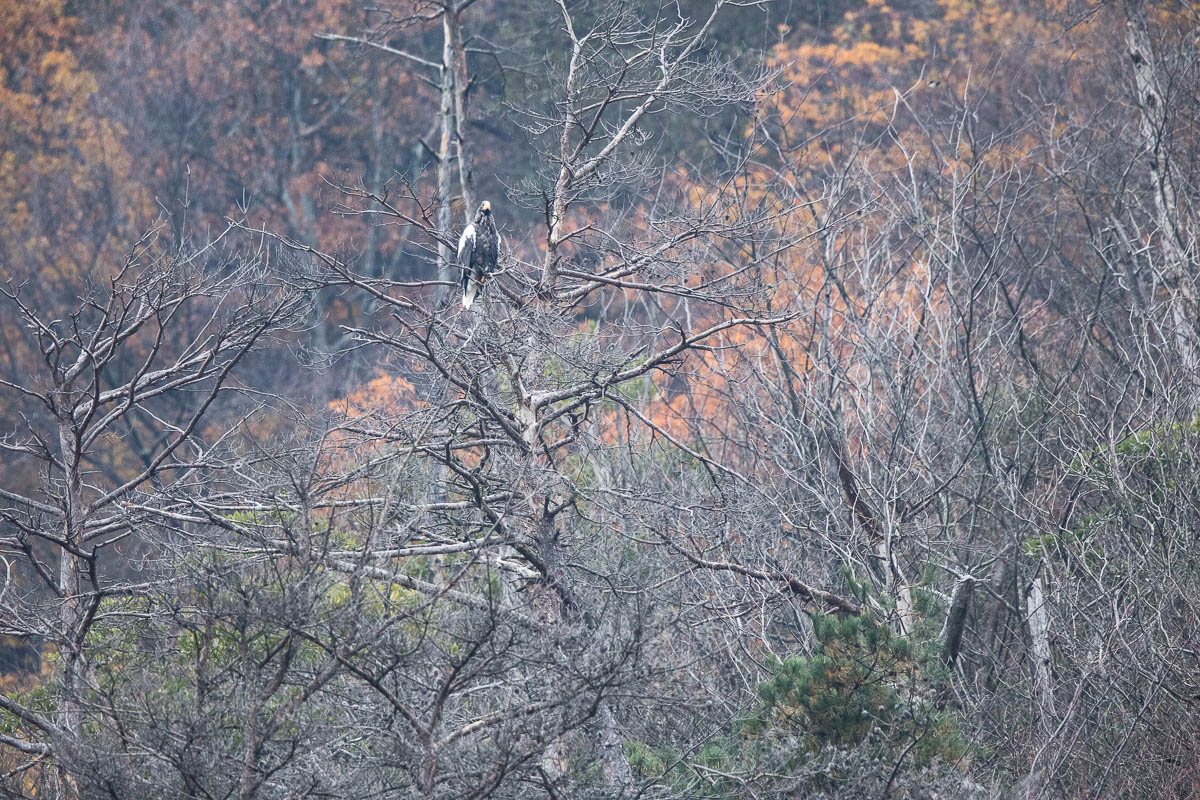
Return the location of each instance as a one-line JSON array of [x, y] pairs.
[[827, 427]]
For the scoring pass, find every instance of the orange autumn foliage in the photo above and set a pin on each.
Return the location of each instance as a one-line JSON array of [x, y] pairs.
[[384, 395], [67, 205]]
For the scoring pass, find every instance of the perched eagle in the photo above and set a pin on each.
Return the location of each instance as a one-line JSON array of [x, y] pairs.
[[478, 248]]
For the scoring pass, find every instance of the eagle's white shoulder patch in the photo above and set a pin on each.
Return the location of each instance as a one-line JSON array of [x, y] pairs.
[[466, 243]]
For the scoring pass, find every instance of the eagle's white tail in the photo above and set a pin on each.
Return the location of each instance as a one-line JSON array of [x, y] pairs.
[[469, 292]]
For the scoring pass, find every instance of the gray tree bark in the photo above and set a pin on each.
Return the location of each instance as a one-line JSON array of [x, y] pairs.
[[1172, 227]]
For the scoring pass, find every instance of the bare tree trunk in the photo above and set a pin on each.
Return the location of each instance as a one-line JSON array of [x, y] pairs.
[[1172, 228], [995, 614], [617, 772], [1037, 621], [1037, 617], [956, 619], [897, 585], [606, 733], [452, 29], [371, 258], [445, 113], [70, 584]]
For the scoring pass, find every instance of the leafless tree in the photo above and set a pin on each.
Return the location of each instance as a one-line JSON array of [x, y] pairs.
[[168, 327], [853, 461]]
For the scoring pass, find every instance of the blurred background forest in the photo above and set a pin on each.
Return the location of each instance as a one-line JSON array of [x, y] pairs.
[[826, 431]]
